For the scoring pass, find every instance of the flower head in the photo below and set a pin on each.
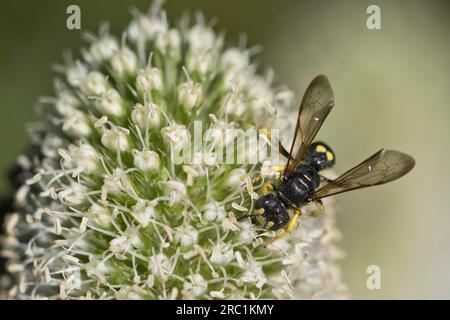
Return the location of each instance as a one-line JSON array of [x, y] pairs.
[[106, 212]]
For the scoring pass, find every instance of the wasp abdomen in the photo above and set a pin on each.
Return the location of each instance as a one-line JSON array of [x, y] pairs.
[[273, 211]]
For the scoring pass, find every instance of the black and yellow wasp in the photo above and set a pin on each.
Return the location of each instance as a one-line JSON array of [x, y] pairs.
[[301, 183]]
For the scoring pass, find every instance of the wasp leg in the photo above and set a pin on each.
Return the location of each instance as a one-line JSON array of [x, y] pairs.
[[278, 168], [292, 224], [318, 212], [266, 188]]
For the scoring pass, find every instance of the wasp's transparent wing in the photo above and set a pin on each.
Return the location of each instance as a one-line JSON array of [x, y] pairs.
[[382, 167], [317, 102]]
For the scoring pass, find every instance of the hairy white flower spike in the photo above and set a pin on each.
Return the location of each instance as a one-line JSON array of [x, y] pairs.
[[235, 105], [190, 95], [146, 160], [124, 62], [234, 60], [149, 79], [74, 194], [143, 211], [222, 254], [218, 134], [175, 136], [127, 294], [186, 236], [175, 190], [103, 49], [146, 28], [169, 43], [235, 178], [214, 212], [117, 182], [127, 241], [84, 158], [159, 265], [200, 63], [201, 39], [298, 256], [260, 91], [76, 74], [267, 170], [77, 124], [111, 104], [50, 146], [95, 84], [116, 140], [120, 199], [195, 285], [66, 103], [247, 233], [254, 274], [100, 215], [147, 115]]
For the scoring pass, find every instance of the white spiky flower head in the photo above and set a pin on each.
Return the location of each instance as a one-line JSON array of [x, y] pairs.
[[106, 211]]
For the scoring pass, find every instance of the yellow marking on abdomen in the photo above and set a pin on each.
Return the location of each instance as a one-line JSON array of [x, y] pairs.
[[320, 148], [329, 155]]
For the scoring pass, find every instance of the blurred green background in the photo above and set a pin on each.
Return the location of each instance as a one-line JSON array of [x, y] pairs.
[[391, 88]]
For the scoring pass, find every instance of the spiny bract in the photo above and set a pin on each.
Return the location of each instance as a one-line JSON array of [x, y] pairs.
[[104, 212]]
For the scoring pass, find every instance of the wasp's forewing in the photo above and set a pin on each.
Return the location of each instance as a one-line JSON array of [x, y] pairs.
[[382, 167], [317, 102]]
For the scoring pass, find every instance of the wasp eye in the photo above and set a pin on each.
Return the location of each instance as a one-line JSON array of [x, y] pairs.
[[322, 156]]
